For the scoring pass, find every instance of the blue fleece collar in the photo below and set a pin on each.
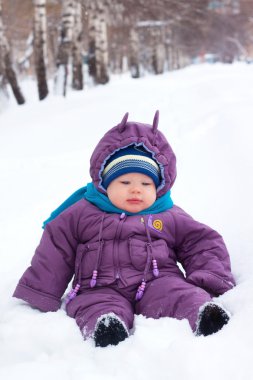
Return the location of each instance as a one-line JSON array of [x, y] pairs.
[[91, 194]]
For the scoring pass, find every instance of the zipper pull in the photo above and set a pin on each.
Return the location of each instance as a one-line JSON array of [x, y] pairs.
[[122, 216]]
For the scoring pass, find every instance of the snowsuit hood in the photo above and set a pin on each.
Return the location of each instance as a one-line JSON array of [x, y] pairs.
[[128, 133]]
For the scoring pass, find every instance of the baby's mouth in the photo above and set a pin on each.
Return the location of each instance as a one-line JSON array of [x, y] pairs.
[[134, 200]]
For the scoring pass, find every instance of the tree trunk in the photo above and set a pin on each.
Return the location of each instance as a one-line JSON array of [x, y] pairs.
[[134, 63], [159, 58], [40, 46], [158, 51], [77, 69], [12, 79], [3, 90], [7, 66], [98, 42], [65, 47]]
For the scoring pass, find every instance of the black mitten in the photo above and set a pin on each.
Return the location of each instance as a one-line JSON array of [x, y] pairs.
[[211, 319]]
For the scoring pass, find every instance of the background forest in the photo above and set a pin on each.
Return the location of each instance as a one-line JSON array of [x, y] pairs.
[[80, 42]]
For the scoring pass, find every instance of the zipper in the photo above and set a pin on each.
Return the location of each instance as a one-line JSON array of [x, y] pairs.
[[116, 244]]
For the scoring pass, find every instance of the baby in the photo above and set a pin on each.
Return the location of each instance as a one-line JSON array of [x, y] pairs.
[[121, 239]]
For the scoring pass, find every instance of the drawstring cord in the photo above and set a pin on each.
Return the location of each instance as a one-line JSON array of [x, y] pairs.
[[150, 260], [93, 280], [73, 292], [142, 286], [154, 262]]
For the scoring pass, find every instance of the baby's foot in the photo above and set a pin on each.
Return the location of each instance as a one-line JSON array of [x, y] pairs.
[[211, 319], [109, 330]]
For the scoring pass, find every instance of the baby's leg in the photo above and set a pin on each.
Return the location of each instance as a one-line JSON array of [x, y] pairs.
[[172, 296], [89, 308]]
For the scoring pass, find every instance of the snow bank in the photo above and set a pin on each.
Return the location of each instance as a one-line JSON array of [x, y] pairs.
[[206, 112]]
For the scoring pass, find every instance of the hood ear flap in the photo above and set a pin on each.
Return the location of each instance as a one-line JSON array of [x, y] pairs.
[[155, 122], [122, 124]]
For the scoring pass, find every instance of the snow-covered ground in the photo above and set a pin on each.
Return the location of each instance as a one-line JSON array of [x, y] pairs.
[[206, 113]]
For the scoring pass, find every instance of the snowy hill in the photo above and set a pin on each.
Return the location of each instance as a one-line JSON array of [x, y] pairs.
[[206, 114]]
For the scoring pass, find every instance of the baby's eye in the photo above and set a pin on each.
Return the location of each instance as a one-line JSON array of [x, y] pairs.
[[146, 183], [125, 182]]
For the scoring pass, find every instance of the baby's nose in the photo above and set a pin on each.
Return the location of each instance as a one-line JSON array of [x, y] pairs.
[[135, 189]]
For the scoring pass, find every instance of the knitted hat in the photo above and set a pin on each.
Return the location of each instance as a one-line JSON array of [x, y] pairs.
[[133, 159]]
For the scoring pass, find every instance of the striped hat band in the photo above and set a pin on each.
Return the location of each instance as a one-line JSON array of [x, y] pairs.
[[131, 160]]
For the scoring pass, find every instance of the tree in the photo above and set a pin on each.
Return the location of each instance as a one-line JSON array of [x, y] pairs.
[[134, 61], [77, 69], [65, 46], [98, 41], [70, 47], [39, 43], [7, 69], [3, 89]]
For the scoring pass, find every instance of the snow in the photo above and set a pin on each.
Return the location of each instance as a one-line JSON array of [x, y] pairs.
[[206, 114]]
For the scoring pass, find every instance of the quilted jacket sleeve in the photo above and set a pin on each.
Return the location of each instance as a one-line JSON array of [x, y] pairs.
[[52, 266], [203, 254]]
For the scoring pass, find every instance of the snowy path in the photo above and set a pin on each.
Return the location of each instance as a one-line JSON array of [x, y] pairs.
[[206, 113]]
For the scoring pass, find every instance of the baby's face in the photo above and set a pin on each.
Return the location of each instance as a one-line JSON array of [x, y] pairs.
[[132, 192]]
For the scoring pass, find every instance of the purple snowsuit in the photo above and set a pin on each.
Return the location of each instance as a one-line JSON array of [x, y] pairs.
[[121, 249]]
